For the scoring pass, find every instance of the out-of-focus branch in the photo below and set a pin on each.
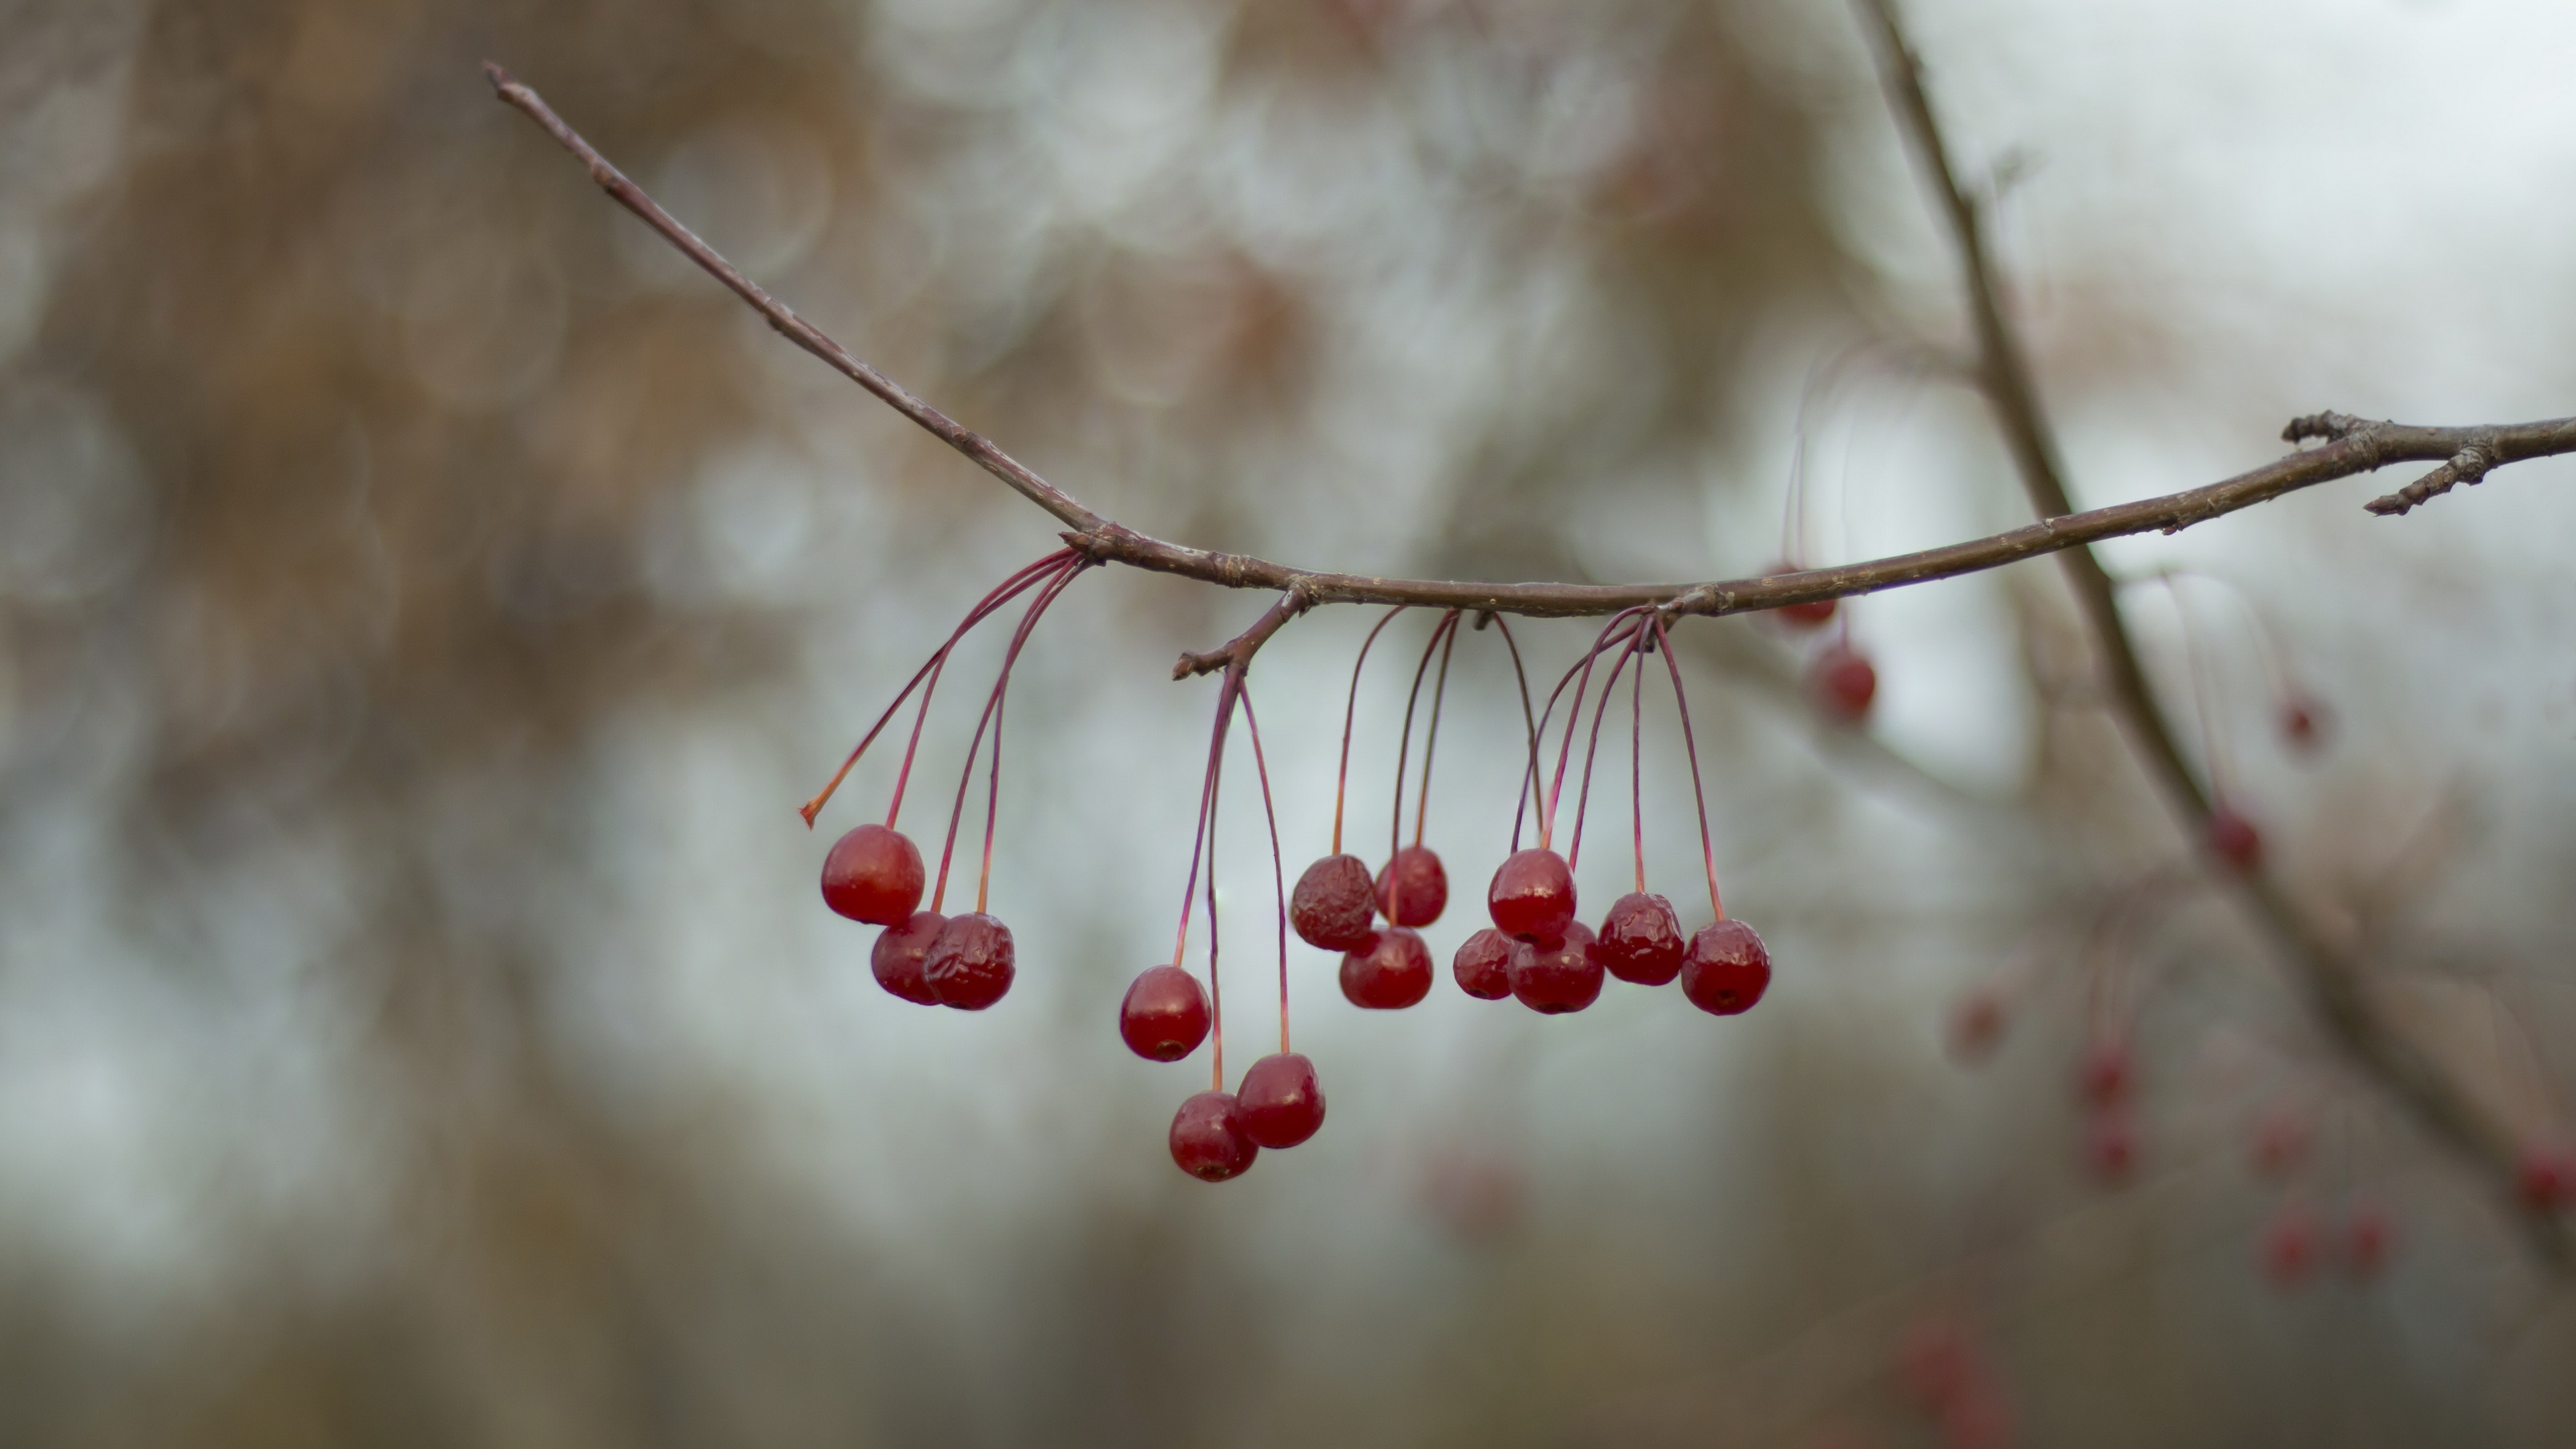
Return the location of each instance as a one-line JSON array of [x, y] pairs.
[[2366, 447], [2330, 978]]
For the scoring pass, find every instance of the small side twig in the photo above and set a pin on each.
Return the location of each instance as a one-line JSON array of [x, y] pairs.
[[2469, 465]]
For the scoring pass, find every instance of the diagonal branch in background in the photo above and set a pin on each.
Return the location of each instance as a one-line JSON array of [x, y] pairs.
[[2359, 448], [2330, 978]]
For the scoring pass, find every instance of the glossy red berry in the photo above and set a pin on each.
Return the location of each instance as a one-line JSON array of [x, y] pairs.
[[2290, 1246], [2104, 1077], [1640, 940], [1560, 978], [1208, 1140], [1281, 1103], [1532, 897], [1413, 889], [1726, 969], [1843, 683], [970, 962], [2367, 1238], [2111, 1147], [874, 875], [1393, 973], [2233, 839], [899, 954], [1335, 904], [2546, 1178], [1484, 965], [1165, 1015]]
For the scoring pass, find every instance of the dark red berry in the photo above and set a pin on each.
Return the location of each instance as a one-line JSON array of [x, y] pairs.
[[1335, 904], [899, 954], [2546, 1178], [1640, 940], [1281, 1103], [1532, 897], [1726, 969], [1813, 614], [2367, 1237], [2234, 839], [2111, 1147], [1413, 889], [2290, 1246], [1484, 965], [1393, 973], [2104, 1076], [1165, 1015], [1208, 1140], [874, 875], [1560, 978], [969, 966], [1843, 683]]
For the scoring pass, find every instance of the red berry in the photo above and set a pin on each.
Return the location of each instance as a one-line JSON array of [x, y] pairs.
[[1937, 1364], [1208, 1140], [2280, 1140], [1393, 973], [1559, 978], [1165, 1015], [1813, 614], [1413, 889], [1334, 904], [969, 965], [2547, 1179], [2305, 723], [1976, 1025], [1640, 940], [1484, 965], [2111, 1147], [1281, 1103], [2290, 1246], [899, 953], [874, 875], [1532, 897], [1726, 969], [2104, 1076], [2367, 1237], [1843, 684], [2234, 839]]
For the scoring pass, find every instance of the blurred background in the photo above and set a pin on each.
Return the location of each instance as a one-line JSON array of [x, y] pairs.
[[424, 601]]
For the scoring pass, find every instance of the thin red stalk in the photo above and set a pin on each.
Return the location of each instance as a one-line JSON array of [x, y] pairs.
[[1528, 718], [1216, 980], [1574, 715], [1350, 710], [1535, 783], [1278, 863], [1681, 704], [1198, 836], [966, 775], [1637, 770], [991, 601], [1001, 700], [1431, 734], [1592, 751], [1404, 745]]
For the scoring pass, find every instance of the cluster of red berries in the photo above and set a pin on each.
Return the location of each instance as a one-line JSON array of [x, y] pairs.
[[2299, 1239], [1535, 951]]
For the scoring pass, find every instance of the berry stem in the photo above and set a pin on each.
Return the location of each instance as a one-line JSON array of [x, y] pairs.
[[1592, 751], [1431, 733], [1574, 712], [1637, 770], [1681, 704], [1529, 719], [1445, 629], [992, 704], [1278, 863], [1350, 710], [1216, 980]]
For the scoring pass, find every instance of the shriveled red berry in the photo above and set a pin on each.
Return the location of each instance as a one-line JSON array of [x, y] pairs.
[[1165, 1014], [1640, 940], [874, 875], [2290, 1246], [1208, 1139], [970, 962], [1484, 965], [1413, 889], [2368, 1236], [1281, 1103], [1335, 904], [1726, 969], [2111, 1147], [2233, 838], [2546, 1177], [1559, 978], [1393, 973], [899, 954], [1532, 897], [2104, 1076], [1843, 682]]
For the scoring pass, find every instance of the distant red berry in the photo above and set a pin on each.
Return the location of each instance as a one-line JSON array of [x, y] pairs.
[[1165, 1014], [1976, 1025], [1392, 974], [874, 875], [1813, 614], [2546, 1177], [1937, 1363], [2280, 1141], [1335, 904], [1556, 979], [1484, 965], [1208, 1139], [899, 953], [2367, 1238], [1281, 1103], [1413, 889], [1640, 940], [1726, 969], [2290, 1246], [2233, 838], [1532, 897], [2104, 1077], [2111, 1147], [2306, 723], [1843, 683], [970, 962]]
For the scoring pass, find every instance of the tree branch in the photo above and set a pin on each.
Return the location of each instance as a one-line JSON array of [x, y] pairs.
[[2330, 979]]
